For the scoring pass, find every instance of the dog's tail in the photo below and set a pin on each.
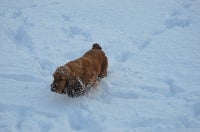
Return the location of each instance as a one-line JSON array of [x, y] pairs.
[[96, 46]]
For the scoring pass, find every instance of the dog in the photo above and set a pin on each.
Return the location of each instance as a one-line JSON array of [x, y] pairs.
[[77, 77]]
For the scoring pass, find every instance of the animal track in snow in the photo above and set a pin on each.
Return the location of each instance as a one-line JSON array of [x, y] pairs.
[[16, 14], [125, 95], [20, 38], [23, 118], [73, 31], [196, 108], [177, 22], [46, 65], [21, 77], [178, 17], [173, 87], [66, 18], [143, 40], [155, 90], [27, 22], [81, 117], [125, 56], [144, 44]]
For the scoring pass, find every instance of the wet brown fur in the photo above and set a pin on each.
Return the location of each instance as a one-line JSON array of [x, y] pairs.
[[84, 71]]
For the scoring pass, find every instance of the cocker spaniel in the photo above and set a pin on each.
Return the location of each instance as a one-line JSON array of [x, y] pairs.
[[77, 77]]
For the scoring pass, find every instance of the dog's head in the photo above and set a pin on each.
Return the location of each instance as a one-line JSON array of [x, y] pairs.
[[64, 83], [60, 80]]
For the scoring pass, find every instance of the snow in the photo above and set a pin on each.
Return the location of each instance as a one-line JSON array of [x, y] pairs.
[[154, 67]]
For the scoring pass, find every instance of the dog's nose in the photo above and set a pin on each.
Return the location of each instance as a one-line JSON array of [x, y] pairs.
[[53, 87]]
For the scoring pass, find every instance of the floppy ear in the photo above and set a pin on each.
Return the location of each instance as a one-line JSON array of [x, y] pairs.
[[75, 87], [76, 83]]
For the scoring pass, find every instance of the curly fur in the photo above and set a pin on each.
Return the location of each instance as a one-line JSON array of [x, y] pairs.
[[76, 77]]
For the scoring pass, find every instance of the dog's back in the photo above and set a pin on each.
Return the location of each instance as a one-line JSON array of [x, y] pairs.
[[87, 70], [93, 61], [98, 60], [96, 52]]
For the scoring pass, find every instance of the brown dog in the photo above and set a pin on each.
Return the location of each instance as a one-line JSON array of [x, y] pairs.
[[76, 77]]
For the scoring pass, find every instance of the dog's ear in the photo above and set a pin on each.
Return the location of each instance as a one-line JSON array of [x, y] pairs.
[[75, 87], [75, 83]]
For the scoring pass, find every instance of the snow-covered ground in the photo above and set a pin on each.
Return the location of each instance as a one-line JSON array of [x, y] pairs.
[[153, 49]]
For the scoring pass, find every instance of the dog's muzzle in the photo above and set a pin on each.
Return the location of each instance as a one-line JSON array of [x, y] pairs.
[[53, 87]]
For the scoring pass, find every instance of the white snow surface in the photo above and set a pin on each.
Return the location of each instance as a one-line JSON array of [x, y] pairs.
[[153, 48]]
